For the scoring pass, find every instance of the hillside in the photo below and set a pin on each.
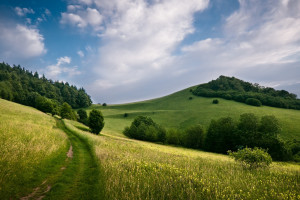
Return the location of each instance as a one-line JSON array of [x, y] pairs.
[[40, 158], [35, 163], [30, 149], [238, 90], [135, 169], [178, 111]]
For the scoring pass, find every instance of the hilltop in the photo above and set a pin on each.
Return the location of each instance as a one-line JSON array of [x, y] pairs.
[[238, 90], [182, 109]]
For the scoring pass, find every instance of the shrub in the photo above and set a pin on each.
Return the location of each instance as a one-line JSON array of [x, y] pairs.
[[67, 112], [125, 114], [253, 102], [104, 104], [190, 98], [194, 137], [83, 118], [215, 101], [252, 158], [96, 121], [144, 128]]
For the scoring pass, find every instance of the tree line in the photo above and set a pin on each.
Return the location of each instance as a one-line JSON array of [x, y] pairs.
[[222, 135], [28, 88], [235, 89]]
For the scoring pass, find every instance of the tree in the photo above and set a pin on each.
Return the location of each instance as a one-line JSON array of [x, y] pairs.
[[248, 129], [269, 125], [222, 135], [83, 118], [96, 121], [66, 111], [194, 137], [253, 102], [144, 128]]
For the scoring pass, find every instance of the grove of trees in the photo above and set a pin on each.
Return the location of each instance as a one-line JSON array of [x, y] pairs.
[[223, 134], [27, 88], [235, 89]]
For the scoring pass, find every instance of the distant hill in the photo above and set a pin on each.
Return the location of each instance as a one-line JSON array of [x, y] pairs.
[[235, 89], [22, 86], [181, 110]]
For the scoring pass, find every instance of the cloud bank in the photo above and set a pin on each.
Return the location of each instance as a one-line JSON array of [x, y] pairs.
[[20, 42]]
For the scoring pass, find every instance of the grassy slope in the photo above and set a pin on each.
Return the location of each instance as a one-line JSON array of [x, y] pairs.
[[31, 147], [141, 170], [176, 111], [81, 177]]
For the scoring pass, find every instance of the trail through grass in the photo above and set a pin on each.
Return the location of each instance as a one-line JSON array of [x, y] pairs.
[[141, 170], [81, 176], [41, 159], [31, 148]]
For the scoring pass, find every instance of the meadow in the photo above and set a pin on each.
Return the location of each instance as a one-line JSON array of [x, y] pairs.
[[177, 111], [140, 170], [31, 148]]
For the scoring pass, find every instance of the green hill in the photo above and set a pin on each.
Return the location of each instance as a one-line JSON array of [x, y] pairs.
[[179, 111], [31, 148]]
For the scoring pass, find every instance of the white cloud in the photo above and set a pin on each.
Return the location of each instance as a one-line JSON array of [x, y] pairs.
[[57, 70], [254, 35], [80, 53], [82, 18], [20, 42], [47, 12], [23, 11], [139, 38]]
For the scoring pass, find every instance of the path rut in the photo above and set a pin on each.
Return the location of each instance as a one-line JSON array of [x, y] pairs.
[[79, 176]]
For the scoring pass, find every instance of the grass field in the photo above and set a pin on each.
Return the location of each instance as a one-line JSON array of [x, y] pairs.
[[140, 170], [177, 111], [31, 147]]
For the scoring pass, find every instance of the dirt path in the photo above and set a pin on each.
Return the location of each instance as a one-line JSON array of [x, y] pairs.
[[78, 178]]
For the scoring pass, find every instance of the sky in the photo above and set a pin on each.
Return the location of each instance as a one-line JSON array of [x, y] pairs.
[[130, 50]]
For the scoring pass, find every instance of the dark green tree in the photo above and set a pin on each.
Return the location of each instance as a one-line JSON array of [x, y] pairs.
[[83, 117], [96, 121], [194, 137], [67, 112]]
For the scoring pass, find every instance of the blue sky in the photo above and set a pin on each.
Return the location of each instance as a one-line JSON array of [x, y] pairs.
[[129, 50]]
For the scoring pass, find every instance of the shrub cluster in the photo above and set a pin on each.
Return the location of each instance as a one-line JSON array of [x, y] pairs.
[[253, 102], [252, 158], [222, 135], [95, 121], [144, 128]]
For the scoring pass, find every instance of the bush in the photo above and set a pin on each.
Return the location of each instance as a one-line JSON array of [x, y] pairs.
[[252, 158], [144, 128], [194, 137], [190, 98], [125, 114], [67, 112], [96, 121], [83, 118], [104, 104], [215, 101], [253, 102]]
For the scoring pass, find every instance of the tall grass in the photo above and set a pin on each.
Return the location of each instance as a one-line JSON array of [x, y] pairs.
[[30, 147], [140, 170]]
